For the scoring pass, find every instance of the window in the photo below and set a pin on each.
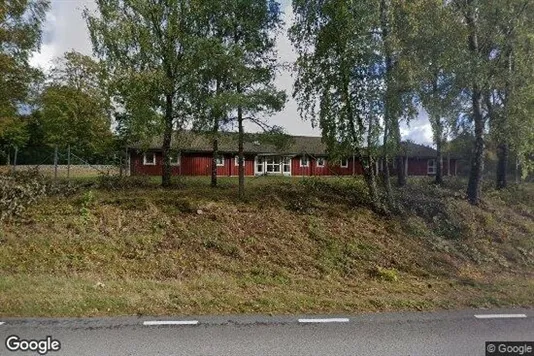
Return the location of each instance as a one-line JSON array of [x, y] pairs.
[[431, 166], [237, 160], [320, 162], [149, 159], [175, 159], [287, 165], [304, 161], [220, 160], [344, 163], [259, 165], [273, 164]]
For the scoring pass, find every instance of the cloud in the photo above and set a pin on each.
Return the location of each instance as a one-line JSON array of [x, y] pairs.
[[419, 129], [64, 30], [289, 118]]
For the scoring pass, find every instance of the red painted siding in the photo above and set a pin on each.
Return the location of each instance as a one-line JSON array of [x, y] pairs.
[[191, 164], [199, 164], [329, 169], [419, 166]]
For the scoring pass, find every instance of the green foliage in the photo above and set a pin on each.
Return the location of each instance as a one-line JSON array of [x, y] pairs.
[[75, 107], [195, 62], [86, 202], [386, 274], [20, 35], [13, 132]]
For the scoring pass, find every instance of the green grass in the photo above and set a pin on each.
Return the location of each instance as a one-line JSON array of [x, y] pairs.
[[294, 246]]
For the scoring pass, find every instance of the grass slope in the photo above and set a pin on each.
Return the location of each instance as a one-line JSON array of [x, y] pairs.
[[296, 246]]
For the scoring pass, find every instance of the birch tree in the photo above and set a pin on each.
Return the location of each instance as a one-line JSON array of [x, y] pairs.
[[240, 67], [147, 46], [339, 85]]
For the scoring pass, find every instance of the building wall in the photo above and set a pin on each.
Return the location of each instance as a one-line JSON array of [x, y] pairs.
[[199, 164], [191, 164], [329, 169], [419, 167]]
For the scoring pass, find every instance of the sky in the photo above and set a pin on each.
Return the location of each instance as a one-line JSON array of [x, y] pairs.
[[66, 30]]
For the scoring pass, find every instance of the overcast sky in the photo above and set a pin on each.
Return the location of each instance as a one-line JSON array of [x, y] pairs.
[[66, 30]]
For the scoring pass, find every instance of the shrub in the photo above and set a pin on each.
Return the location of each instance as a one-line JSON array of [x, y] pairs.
[[387, 274], [18, 191]]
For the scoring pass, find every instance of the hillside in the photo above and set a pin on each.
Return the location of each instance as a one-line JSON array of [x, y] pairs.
[[295, 246]]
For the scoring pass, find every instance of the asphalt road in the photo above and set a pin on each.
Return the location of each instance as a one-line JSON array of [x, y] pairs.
[[444, 333]]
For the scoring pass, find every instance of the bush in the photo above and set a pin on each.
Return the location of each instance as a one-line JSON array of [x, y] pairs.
[[386, 274], [18, 191]]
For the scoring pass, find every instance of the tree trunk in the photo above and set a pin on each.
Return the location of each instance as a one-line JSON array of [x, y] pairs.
[[401, 171], [392, 123], [503, 152], [166, 148], [477, 162], [15, 158], [215, 148], [370, 180], [439, 159], [517, 170], [385, 170], [216, 116], [240, 153]]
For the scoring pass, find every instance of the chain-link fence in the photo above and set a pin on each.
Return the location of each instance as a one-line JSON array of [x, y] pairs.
[[61, 163]]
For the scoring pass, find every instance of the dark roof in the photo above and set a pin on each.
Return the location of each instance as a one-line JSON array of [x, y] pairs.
[[416, 150], [256, 143]]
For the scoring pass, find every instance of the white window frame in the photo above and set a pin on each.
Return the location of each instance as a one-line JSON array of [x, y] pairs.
[[237, 160], [147, 163], [219, 160], [431, 169], [259, 161], [346, 161], [286, 161], [307, 161], [176, 159], [322, 164]]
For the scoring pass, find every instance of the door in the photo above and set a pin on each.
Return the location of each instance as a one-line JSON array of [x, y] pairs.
[[287, 166]]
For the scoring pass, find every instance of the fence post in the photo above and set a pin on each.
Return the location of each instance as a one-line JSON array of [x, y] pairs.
[[68, 162], [55, 162]]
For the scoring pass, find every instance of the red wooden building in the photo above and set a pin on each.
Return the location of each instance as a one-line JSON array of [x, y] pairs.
[[299, 156]]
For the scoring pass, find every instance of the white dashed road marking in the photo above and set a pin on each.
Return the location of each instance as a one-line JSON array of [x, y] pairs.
[[332, 320], [2, 323], [170, 322], [500, 316]]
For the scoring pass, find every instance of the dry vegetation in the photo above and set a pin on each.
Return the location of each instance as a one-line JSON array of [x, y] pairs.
[[296, 246], [79, 171]]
